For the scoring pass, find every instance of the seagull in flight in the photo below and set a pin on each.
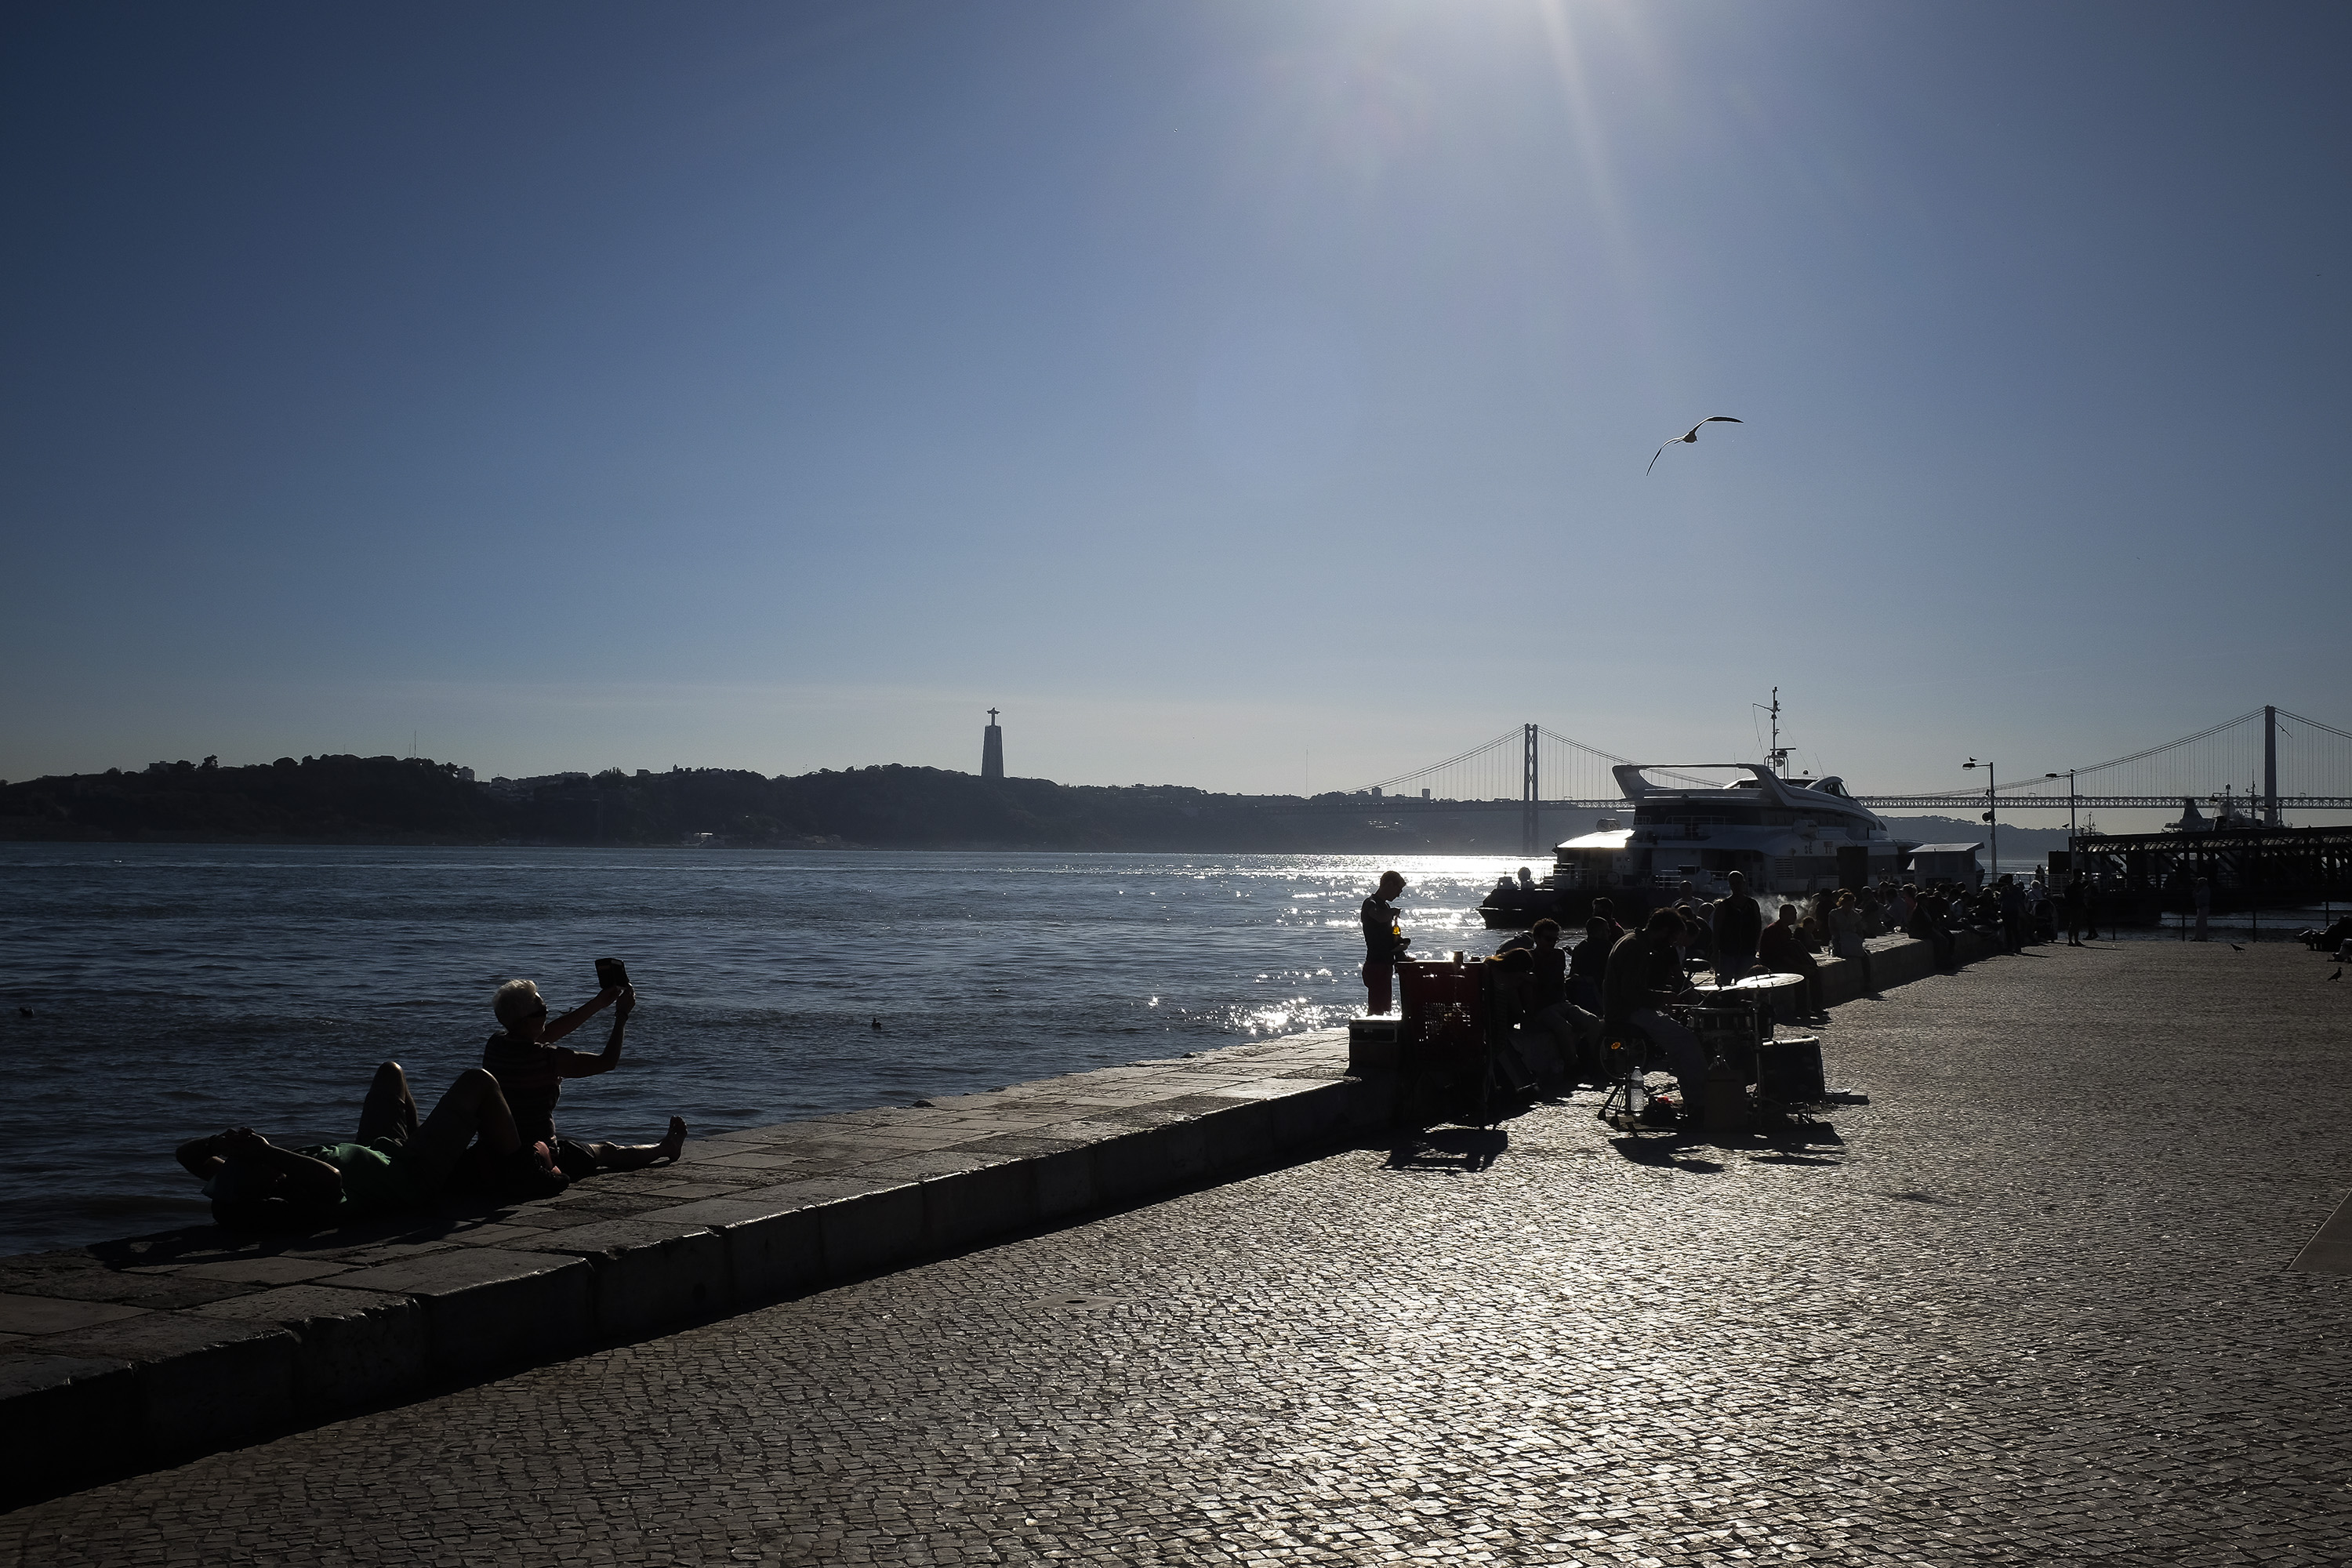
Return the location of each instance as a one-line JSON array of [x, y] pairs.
[[1691, 435]]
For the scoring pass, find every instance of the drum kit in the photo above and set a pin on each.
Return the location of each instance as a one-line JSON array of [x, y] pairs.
[[1735, 1022], [1448, 1037]]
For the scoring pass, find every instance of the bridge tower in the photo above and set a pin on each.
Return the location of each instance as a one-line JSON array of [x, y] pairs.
[[2269, 766], [1530, 825], [992, 749]]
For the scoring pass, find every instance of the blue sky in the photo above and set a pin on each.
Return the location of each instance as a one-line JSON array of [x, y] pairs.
[[1222, 390]]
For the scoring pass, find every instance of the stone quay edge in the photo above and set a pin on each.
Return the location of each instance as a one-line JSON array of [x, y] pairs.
[[124, 1356]]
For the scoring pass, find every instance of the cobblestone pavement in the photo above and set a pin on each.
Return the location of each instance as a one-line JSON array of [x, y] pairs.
[[2029, 1305]]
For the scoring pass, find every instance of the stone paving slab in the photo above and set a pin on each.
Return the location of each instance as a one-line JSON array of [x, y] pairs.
[[2031, 1304], [230, 1336]]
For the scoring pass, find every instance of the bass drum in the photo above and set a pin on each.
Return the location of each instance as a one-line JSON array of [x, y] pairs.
[[1727, 1032]]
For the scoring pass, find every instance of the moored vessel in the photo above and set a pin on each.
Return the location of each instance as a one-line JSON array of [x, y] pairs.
[[1787, 837]]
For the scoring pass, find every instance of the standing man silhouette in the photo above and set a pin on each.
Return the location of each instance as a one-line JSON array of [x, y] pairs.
[[1383, 943]]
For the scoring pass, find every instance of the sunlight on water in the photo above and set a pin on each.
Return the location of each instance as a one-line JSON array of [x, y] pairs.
[[177, 989]]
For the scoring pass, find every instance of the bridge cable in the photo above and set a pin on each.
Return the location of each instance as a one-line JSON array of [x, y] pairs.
[[1511, 734], [2184, 740]]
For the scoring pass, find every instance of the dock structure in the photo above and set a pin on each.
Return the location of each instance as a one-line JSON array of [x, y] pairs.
[[2046, 1296], [2152, 874]]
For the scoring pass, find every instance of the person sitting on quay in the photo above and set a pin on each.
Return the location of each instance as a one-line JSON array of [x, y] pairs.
[[1845, 935], [1738, 928], [1782, 948], [393, 1164], [1525, 1061], [1695, 941], [1383, 943], [1603, 908], [2327, 938], [1588, 961], [1873, 913], [1575, 1031], [530, 1069], [1928, 923], [1636, 990]]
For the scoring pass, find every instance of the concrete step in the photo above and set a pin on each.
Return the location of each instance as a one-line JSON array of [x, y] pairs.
[[129, 1354]]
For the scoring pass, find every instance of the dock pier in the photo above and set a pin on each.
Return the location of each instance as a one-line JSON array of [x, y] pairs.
[[2063, 1289]]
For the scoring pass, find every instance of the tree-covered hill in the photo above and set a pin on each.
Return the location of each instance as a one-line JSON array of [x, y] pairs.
[[344, 799], [396, 800]]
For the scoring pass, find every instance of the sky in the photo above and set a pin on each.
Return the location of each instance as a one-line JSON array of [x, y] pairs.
[[1251, 394]]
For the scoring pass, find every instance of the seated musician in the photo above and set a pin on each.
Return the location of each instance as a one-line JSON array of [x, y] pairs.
[[1782, 948], [1632, 994]]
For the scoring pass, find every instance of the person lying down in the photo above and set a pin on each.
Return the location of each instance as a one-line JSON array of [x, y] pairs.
[[394, 1163]]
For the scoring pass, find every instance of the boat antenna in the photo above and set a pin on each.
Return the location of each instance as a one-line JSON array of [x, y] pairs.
[[1777, 754]]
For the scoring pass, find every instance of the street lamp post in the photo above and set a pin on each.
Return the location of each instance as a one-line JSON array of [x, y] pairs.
[[2074, 834], [1992, 808]]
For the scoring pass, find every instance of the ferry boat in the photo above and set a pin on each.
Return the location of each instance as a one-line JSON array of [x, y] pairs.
[[1787, 836]]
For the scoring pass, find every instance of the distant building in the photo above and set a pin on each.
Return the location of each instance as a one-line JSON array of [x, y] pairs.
[[1947, 863], [992, 749], [467, 774]]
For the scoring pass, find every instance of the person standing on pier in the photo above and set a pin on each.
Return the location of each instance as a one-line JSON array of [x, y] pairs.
[[2204, 910], [1739, 926], [1383, 943]]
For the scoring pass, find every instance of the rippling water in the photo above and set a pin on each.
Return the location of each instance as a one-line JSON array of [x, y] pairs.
[[179, 989]]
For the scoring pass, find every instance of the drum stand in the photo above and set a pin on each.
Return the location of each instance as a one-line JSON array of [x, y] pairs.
[[1631, 1067]]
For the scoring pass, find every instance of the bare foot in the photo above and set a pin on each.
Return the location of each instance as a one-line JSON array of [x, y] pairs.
[[675, 1144]]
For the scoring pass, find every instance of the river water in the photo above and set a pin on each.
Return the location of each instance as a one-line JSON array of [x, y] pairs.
[[175, 990]]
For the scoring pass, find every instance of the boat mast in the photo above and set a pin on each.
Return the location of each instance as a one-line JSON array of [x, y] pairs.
[[1779, 755]]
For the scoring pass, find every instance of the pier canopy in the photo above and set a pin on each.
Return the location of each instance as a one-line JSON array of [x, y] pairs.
[[1947, 863]]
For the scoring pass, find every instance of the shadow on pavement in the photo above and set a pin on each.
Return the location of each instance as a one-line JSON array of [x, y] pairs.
[[1455, 1149]]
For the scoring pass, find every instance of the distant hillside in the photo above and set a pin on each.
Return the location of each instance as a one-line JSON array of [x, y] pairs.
[[2016, 842], [343, 799], [395, 800]]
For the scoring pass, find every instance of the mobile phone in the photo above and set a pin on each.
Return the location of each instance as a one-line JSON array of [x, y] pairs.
[[612, 974]]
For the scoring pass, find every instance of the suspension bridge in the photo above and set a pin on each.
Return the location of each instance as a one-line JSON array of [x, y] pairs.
[[2266, 761]]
